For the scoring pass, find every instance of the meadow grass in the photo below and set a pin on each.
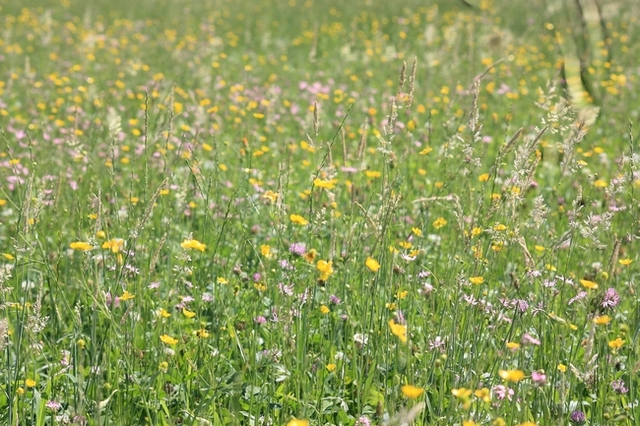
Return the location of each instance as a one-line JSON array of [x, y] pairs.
[[319, 212]]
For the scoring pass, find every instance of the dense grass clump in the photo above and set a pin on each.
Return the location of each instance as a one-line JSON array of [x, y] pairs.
[[319, 212]]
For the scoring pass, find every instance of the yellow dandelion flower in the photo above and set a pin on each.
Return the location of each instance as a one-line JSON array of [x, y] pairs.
[[439, 222], [372, 264], [265, 250], [602, 320], [476, 231], [298, 220], [416, 231], [511, 375], [625, 262], [589, 284], [324, 309], [325, 269], [616, 344], [114, 244], [127, 296], [168, 339], [193, 245], [81, 246], [476, 280], [398, 330], [412, 392], [321, 183], [29, 383]]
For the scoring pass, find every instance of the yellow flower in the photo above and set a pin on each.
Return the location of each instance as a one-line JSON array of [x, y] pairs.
[[20, 391], [193, 244], [298, 422], [483, 177], [168, 339], [416, 231], [324, 309], [462, 393], [476, 231], [602, 320], [511, 375], [162, 312], [562, 368], [203, 333], [114, 244], [79, 245], [331, 367], [222, 280], [528, 424], [320, 183], [412, 392], [187, 313], [101, 234], [513, 346], [600, 183], [468, 423], [372, 264], [265, 250], [372, 174], [625, 262], [270, 195], [29, 383], [325, 269], [476, 280], [500, 227], [439, 222], [589, 284], [426, 150], [616, 344], [7, 256], [127, 296], [163, 366], [539, 248], [499, 422], [398, 330], [310, 255], [484, 394], [298, 220]]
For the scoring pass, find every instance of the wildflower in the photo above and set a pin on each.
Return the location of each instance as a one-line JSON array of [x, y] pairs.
[[324, 309], [528, 339], [539, 377], [168, 339], [81, 246], [476, 280], [265, 250], [439, 222], [310, 255], [483, 177], [412, 392], [611, 298], [298, 422], [187, 313], [101, 234], [602, 320], [29, 383], [163, 366], [483, 394], [361, 339], [298, 220], [589, 284], [363, 421], [513, 346], [616, 343], [398, 330], [580, 295], [334, 300], [163, 313], [577, 417], [193, 244], [222, 280], [325, 269], [260, 320], [625, 262], [468, 423], [500, 227], [298, 249], [511, 375], [53, 405], [114, 244], [372, 264], [321, 183], [503, 392], [416, 231], [270, 195], [619, 387], [331, 367], [462, 393], [127, 296], [562, 368]]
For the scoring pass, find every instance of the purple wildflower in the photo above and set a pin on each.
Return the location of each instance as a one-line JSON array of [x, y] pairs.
[[53, 405], [260, 320], [334, 300], [363, 421], [611, 298], [298, 249], [538, 378], [528, 339], [578, 417], [502, 392], [618, 386], [577, 297]]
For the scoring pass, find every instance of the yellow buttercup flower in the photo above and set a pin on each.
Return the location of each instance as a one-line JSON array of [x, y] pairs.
[[372, 264], [412, 392], [81, 246], [168, 339], [512, 375], [193, 244]]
